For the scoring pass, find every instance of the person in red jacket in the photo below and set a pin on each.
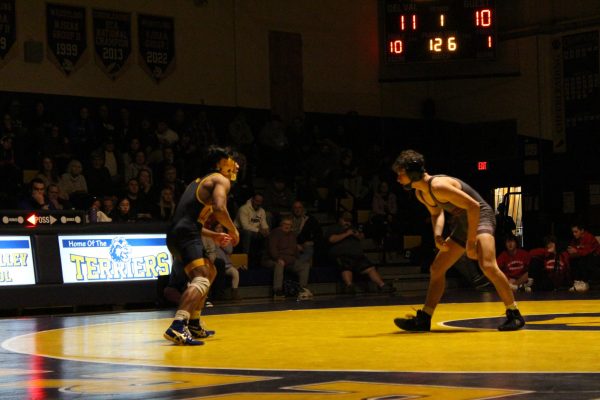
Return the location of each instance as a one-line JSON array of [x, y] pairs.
[[584, 256], [514, 262], [549, 268]]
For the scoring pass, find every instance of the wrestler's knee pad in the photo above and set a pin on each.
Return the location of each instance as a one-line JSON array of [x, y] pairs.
[[200, 283]]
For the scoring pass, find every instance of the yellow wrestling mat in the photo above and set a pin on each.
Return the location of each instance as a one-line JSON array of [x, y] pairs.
[[562, 336]]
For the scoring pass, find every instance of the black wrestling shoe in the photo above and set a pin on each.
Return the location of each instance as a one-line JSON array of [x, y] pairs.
[[514, 321], [197, 331], [419, 323]]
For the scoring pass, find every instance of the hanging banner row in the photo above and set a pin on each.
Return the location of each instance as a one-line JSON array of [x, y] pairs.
[[67, 42]]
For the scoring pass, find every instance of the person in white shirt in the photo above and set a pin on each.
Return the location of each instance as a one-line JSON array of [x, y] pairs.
[[251, 221]]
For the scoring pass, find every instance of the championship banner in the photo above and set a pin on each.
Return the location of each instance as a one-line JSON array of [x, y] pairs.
[[102, 258], [66, 36], [112, 41], [8, 29], [156, 37], [16, 261]]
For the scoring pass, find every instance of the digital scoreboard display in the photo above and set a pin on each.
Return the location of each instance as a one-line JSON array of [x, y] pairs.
[[438, 30]]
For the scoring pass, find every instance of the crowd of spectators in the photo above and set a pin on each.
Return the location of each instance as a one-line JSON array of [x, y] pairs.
[[129, 167], [552, 267], [98, 151]]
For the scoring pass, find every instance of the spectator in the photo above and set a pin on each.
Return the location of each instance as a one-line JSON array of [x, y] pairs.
[[95, 213], [73, 182], [82, 135], [251, 221], [320, 168], [346, 251], [133, 147], [124, 213], [105, 127], [167, 159], [36, 199], [55, 200], [584, 257], [165, 136], [171, 180], [10, 171], [350, 181], [307, 230], [225, 267], [147, 189], [139, 162], [56, 146], [278, 198], [384, 209], [47, 172], [202, 131], [97, 176], [282, 254], [108, 207], [166, 205], [190, 158], [138, 205], [240, 133], [112, 160], [274, 145], [505, 225], [549, 268], [123, 126], [514, 263], [7, 128], [179, 123], [41, 123]]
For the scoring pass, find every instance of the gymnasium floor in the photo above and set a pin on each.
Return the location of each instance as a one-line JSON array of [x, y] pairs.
[[328, 348]]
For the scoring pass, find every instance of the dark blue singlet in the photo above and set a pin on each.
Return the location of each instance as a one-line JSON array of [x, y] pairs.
[[184, 236]]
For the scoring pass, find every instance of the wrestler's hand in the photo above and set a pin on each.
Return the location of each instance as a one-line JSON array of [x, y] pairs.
[[472, 249], [441, 244], [222, 239]]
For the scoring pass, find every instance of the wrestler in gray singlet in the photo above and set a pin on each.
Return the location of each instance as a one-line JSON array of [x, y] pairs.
[[459, 223]]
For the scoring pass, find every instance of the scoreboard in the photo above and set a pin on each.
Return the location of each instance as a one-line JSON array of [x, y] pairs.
[[417, 31]]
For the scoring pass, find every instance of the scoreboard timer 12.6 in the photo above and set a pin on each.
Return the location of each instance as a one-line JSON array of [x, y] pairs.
[[438, 30]]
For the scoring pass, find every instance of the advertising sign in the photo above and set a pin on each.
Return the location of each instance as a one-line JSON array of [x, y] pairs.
[[16, 261], [110, 258]]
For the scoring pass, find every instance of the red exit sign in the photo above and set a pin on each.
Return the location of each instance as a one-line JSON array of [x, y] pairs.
[[482, 165]]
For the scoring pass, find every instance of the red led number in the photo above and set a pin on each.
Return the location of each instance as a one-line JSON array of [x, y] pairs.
[[483, 18], [396, 47], [413, 22]]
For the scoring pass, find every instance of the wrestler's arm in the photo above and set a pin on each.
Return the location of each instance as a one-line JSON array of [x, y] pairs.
[[220, 190], [437, 223]]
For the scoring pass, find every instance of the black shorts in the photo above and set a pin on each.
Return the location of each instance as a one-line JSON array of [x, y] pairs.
[[186, 248], [356, 264]]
